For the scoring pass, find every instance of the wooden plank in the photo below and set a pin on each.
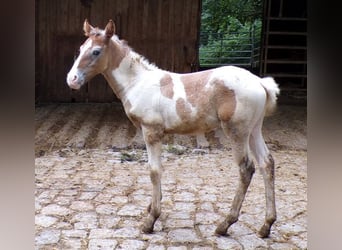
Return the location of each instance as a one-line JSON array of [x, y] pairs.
[[165, 32]]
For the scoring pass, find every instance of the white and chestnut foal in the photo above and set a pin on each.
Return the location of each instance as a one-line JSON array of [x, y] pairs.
[[161, 102]]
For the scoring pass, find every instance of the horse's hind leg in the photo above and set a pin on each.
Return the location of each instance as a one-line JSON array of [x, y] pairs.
[[246, 170], [266, 164]]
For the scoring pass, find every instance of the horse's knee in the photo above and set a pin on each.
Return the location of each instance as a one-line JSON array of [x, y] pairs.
[[267, 167], [155, 176]]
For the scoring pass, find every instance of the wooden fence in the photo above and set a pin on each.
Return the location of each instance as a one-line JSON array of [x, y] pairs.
[[166, 32]]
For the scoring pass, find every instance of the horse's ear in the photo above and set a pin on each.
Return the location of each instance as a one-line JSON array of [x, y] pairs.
[[110, 29], [87, 28]]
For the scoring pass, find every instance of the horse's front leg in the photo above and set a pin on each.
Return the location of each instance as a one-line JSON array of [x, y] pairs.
[[153, 146]]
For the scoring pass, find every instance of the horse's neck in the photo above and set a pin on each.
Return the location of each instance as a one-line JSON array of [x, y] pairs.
[[122, 77]]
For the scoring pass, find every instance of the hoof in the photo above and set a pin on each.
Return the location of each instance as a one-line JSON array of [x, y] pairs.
[[222, 229], [264, 231], [148, 225], [146, 230]]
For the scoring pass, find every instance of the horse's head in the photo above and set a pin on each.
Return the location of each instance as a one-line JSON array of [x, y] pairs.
[[93, 57]]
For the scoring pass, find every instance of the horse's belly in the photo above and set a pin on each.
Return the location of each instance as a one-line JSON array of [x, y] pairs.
[[192, 126]]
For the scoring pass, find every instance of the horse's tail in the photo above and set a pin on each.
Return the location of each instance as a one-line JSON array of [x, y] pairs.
[[272, 90]]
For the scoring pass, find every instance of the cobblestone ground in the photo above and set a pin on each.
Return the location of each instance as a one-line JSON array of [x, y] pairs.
[[92, 195], [81, 204]]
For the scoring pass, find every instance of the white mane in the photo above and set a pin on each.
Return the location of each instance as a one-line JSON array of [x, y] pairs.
[[136, 58]]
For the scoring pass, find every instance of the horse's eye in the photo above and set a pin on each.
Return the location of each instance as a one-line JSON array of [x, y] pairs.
[[96, 52]]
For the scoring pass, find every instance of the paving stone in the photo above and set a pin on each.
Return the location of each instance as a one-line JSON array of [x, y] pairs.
[[144, 179], [82, 205], [69, 192], [87, 195], [119, 200], [93, 184], [45, 221], [102, 244], [184, 206], [63, 200], [48, 194], [252, 241], [127, 232], [103, 197], [292, 227], [183, 236], [176, 223], [72, 243], [207, 230], [208, 197], [207, 218], [48, 237], [300, 240], [74, 233], [208, 206], [179, 215], [63, 225], [177, 248], [109, 221], [282, 246], [86, 220], [202, 248], [223, 242], [54, 209], [184, 196], [239, 229], [155, 247], [132, 244], [155, 238], [101, 233], [37, 205], [134, 223], [130, 210], [106, 209]]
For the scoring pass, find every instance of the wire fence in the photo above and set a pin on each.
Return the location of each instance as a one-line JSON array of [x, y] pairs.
[[230, 48]]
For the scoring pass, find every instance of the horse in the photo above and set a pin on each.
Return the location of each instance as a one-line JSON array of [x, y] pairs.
[[160, 102]]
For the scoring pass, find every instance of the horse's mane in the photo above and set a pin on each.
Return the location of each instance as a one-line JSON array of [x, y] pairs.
[[140, 59]]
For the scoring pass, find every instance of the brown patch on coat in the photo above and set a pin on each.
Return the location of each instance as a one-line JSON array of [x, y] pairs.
[[166, 86], [153, 133], [120, 50], [225, 101], [117, 51], [194, 86], [97, 40], [183, 110]]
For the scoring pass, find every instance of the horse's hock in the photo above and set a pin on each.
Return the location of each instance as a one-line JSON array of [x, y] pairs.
[[93, 186]]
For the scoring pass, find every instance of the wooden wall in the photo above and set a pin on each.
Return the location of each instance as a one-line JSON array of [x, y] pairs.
[[166, 32]]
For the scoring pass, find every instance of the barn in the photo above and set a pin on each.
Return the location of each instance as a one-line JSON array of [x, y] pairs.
[[92, 179], [167, 33]]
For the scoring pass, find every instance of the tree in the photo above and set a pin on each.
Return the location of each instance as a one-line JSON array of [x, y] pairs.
[[228, 29], [216, 14]]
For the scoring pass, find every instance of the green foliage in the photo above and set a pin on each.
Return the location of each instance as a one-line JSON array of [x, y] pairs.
[[217, 14], [230, 29]]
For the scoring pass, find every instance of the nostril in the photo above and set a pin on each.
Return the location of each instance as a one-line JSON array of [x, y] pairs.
[[74, 78]]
